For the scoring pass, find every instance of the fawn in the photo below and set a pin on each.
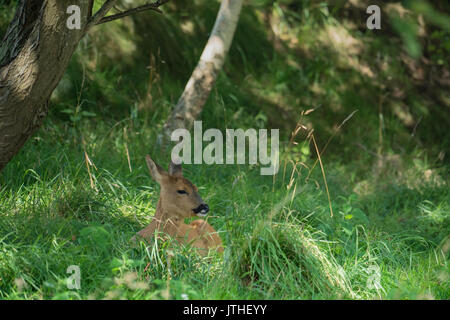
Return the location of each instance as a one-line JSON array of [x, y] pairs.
[[179, 199]]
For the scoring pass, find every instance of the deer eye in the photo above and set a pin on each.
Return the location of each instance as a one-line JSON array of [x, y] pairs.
[[181, 192]]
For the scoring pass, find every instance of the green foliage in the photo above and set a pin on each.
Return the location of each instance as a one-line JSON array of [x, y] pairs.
[[407, 28]]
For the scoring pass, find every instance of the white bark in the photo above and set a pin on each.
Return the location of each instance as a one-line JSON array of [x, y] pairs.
[[202, 80]]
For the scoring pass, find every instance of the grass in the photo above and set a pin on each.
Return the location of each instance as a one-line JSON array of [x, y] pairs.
[[279, 245], [79, 189]]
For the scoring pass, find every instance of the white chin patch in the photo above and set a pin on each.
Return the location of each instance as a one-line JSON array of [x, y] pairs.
[[202, 213]]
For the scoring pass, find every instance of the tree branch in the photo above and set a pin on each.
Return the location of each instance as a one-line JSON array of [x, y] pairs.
[[99, 14], [149, 6], [91, 5]]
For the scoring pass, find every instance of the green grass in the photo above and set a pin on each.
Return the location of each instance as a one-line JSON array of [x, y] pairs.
[[72, 196], [277, 246]]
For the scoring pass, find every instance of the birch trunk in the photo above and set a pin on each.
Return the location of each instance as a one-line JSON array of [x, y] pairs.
[[202, 80]]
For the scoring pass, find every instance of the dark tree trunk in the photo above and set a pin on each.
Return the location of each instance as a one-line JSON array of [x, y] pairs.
[[34, 55]]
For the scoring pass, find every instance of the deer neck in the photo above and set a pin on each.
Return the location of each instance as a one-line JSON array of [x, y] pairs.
[[164, 218]]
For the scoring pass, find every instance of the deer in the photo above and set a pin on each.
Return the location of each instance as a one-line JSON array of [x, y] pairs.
[[179, 199]]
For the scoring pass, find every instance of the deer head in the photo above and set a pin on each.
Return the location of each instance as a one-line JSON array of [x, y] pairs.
[[179, 197]]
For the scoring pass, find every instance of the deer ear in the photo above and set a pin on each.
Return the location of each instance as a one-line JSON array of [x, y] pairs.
[[175, 169], [155, 170]]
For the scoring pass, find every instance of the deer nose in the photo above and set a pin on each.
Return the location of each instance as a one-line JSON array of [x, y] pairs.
[[201, 210]]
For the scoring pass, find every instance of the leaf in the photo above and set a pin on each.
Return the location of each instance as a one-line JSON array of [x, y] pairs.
[[360, 216], [88, 114], [95, 236], [347, 231]]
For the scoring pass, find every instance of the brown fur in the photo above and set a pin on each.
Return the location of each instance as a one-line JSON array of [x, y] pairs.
[[173, 208]]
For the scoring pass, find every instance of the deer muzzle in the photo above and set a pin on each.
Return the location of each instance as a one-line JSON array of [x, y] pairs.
[[201, 210]]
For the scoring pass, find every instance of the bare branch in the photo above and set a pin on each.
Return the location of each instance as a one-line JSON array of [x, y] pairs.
[[149, 6], [91, 5], [99, 14]]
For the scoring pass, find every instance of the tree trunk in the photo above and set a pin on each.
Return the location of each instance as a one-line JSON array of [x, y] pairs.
[[34, 55], [200, 84]]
